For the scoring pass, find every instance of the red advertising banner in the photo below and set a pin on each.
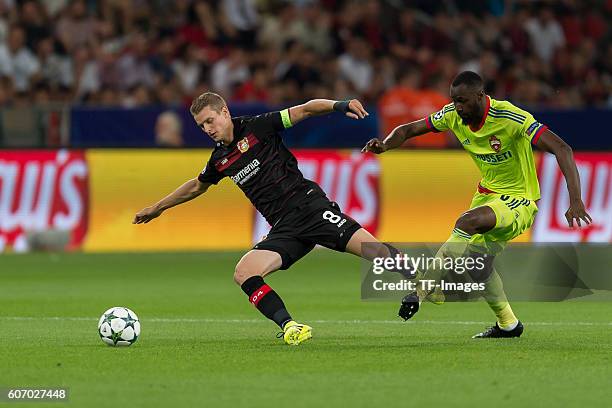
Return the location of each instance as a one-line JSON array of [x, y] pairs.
[[42, 191], [348, 177], [596, 181]]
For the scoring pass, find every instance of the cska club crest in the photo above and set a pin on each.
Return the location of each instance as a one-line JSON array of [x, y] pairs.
[[495, 143], [243, 145]]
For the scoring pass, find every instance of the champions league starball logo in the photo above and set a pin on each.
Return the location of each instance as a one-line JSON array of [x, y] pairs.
[[495, 143]]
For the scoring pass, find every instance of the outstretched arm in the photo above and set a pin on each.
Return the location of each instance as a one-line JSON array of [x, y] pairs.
[[552, 143], [188, 191], [397, 137], [353, 109]]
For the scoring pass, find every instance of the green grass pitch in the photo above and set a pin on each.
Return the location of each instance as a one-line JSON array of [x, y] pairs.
[[203, 344]]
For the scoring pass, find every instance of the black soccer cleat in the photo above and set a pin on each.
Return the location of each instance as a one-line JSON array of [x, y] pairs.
[[409, 307], [495, 332]]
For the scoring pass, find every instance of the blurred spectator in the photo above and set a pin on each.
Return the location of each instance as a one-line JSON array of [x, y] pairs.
[[167, 94], [407, 102], [188, 68], [75, 27], [372, 25], [314, 29], [136, 97], [255, 89], [54, 7], [230, 72], [546, 34], [34, 23], [134, 65], [17, 61], [108, 97], [303, 71], [484, 63], [42, 94], [168, 130], [162, 60], [56, 69], [201, 30], [277, 29], [243, 20], [86, 72], [355, 64]]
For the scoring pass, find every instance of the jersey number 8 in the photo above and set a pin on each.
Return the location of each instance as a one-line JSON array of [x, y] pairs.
[[331, 217]]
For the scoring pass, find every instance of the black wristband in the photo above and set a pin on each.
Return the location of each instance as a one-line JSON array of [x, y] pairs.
[[342, 106]]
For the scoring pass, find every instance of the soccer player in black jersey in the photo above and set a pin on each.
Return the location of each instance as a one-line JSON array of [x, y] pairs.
[[251, 152]]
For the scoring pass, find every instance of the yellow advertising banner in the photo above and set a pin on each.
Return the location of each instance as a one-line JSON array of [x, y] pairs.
[[421, 194], [124, 181]]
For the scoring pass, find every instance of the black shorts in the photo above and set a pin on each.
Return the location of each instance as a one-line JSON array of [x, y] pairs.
[[316, 221]]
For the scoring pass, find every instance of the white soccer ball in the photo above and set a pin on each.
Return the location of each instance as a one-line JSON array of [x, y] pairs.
[[119, 326]]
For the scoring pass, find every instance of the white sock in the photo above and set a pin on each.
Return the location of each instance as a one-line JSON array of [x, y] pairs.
[[509, 328]]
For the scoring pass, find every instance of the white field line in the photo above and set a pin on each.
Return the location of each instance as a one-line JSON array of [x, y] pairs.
[[242, 321]]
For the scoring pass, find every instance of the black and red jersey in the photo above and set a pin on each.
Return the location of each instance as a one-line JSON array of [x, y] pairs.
[[261, 165]]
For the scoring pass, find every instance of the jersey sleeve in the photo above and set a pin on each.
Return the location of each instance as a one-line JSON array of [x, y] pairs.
[[210, 174], [276, 121], [439, 121], [531, 128]]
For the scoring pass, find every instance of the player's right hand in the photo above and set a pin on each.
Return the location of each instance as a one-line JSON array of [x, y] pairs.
[[375, 146], [146, 214]]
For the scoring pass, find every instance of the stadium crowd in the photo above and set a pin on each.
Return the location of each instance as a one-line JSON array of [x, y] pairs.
[[141, 52]]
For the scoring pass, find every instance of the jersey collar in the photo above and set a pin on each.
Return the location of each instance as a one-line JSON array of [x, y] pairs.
[[484, 117]]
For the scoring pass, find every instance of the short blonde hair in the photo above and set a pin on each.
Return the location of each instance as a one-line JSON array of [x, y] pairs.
[[215, 101]]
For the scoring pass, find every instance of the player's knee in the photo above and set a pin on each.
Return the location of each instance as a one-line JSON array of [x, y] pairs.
[[242, 272], [476, 221], [468, 222]]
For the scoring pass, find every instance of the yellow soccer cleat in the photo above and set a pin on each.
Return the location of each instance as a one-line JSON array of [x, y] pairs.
[[295, 333]]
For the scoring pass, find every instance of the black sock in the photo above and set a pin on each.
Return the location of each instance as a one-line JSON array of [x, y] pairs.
[[266, 300]]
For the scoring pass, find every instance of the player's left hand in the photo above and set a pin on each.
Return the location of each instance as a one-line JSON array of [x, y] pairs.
[[577, 212], [356, 110], [146, 214]]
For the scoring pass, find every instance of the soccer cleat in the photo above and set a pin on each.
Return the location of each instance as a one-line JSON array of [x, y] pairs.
[[295, 333], [494, 332], [410, 305]]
